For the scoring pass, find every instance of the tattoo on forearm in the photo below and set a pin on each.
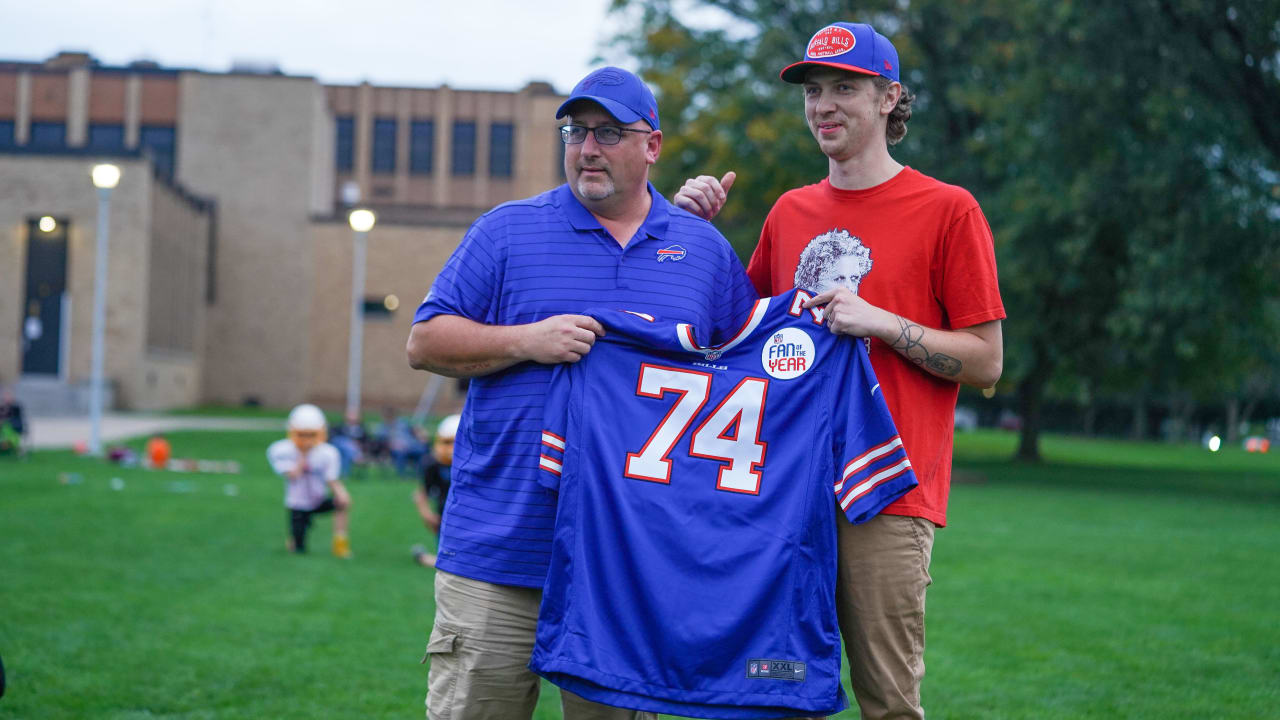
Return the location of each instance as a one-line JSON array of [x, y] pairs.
[[908, 343]]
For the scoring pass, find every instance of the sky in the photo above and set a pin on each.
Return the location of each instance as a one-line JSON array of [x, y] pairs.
[[466, 44]]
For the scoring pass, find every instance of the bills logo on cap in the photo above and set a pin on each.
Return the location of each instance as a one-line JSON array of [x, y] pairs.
[[607, 76], [831, 41], [673, 253]]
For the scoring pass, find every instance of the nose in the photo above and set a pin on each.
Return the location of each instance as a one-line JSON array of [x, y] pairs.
[[589, 145], [822, 104]]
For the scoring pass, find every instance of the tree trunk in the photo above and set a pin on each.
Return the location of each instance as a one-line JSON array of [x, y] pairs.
[[1030, 402], [1138, 431], [1232, 431]]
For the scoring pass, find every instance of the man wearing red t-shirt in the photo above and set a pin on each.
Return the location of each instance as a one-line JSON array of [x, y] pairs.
[[908, 262]]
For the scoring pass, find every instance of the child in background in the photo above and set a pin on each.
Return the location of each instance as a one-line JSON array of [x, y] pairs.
[[310, 467], [435, 485]]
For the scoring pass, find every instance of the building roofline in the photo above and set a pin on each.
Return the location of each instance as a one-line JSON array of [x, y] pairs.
[[196, 201]]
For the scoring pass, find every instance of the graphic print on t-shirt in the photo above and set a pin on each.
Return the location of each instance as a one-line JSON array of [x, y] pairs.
[[832, 260]]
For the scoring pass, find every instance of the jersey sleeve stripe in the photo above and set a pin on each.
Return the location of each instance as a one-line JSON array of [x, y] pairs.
[[550, 465], [870, 484], [866, 458], [553, 440]]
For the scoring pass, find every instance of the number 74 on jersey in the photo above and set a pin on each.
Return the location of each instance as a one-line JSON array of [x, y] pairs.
[[730, 434]]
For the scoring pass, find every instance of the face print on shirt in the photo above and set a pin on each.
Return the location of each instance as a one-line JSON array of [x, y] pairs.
[[832, 260]]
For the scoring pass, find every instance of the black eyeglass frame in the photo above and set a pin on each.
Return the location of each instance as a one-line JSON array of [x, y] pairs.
[[568, 131]]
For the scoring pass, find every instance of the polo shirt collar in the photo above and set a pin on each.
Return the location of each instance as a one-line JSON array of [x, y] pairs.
[[654, 225]]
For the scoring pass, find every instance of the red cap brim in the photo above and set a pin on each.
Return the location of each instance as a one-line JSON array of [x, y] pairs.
[[794, 73]]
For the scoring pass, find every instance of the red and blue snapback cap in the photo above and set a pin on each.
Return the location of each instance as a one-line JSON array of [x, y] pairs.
[[854, 47], [619, 92]]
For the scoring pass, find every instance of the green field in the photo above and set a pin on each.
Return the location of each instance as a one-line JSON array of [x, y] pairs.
[[1115, 581]]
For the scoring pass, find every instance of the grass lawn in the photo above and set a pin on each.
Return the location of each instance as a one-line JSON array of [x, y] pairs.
[[1115, 581]]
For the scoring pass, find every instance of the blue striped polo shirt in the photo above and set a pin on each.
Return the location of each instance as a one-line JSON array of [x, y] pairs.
[[522, 262]]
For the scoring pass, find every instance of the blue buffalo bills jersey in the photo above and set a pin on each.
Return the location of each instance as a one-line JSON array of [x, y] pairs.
[[693, 569], [525, 261]]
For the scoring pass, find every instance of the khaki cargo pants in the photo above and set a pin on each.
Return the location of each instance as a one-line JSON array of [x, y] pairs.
[[479, 651]]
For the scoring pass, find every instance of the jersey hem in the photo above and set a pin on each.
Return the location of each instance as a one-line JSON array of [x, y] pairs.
[[582, 681]]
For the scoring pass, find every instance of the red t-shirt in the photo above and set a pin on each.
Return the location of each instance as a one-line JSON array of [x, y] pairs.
[[923, 250]]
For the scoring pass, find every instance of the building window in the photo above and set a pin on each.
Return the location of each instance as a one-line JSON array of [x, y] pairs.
[[106, 138], [501, 149], [422, 142], [160, 142], [6, 133], [384, 145], [48, 136], [345, 145], [464, 148], [379, 308]]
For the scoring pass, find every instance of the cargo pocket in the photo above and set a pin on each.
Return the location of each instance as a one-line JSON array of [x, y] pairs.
[[442, 678]]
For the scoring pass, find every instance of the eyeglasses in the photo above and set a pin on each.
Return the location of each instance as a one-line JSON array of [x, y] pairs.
[[605, 134]]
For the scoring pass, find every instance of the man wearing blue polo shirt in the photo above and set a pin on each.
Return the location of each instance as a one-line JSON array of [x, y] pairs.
[[505, 309]]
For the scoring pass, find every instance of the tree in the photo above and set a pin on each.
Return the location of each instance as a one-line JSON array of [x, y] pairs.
[[1126, 155]]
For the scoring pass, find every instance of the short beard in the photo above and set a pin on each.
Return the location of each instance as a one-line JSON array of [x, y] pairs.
[[593, 191]]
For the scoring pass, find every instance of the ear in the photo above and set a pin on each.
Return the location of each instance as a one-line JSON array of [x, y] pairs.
[[653, 147], [889, 101]]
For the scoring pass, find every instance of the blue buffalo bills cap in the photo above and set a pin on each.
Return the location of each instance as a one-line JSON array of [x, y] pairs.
[[621, 93], [854, 47]]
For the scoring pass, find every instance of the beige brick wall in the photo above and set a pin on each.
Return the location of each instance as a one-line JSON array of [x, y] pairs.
[[250, 142], [171, 370], [60, 186], [401, 261]]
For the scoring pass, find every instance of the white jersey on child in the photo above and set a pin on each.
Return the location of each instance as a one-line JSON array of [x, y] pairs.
[[311, 488]]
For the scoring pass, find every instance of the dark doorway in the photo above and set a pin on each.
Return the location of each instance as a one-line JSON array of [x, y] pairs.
[[46, 285]]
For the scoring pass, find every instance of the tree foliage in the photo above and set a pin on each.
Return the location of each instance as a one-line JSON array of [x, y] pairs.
[[1127, 156]]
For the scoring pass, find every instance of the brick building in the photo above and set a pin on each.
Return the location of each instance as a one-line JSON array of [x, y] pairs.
[[229, 273]]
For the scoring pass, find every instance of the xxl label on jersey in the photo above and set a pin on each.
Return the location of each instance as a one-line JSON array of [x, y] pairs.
[[730, 434]]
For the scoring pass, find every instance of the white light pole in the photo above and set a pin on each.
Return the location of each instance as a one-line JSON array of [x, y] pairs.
[[361, 223], [105, 178]]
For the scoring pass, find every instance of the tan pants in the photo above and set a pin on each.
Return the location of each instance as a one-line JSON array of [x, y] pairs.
[[884, 570], [479, 651]]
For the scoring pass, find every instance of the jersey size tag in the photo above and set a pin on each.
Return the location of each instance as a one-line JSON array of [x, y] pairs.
[[776, 670]]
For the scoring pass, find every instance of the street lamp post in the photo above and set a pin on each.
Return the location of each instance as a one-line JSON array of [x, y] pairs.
[[361, 223], [105, 178]]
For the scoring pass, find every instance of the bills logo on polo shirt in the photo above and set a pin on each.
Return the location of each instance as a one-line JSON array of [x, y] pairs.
[[672, 253]]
